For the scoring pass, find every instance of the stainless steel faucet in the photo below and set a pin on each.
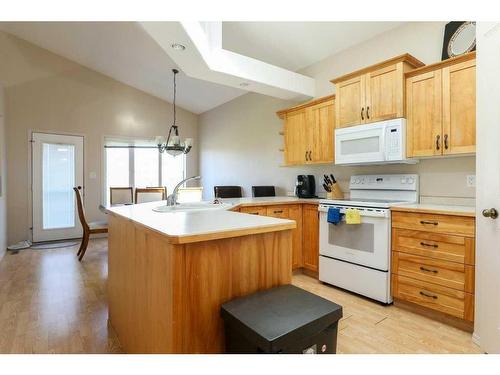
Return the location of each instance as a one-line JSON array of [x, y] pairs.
[[172, 198]]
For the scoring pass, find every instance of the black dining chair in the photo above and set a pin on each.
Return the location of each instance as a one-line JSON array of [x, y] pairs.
[[227, 191], [263, 191]]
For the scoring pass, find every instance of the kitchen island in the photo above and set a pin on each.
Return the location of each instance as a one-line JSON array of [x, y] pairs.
[[168, 273]]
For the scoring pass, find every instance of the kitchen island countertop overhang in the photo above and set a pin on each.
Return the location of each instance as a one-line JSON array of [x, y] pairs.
[[196, 226]]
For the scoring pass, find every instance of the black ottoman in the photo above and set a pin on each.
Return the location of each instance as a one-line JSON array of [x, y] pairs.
[[285, 319]]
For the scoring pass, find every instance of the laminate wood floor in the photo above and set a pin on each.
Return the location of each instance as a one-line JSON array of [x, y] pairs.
[[51, 303]]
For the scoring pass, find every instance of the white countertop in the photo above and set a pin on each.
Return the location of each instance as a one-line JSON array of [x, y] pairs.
[[265, 201], [437, 208], [195, 226]]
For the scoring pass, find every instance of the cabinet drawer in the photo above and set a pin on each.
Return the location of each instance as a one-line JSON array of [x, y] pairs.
[[433, 223], [458, 249], [449, 274], [254, 210], [446, 300], [277, 211]]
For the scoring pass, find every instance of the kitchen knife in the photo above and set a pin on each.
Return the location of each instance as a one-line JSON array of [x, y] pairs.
[[327, 180], [327, 188], [333, 179]]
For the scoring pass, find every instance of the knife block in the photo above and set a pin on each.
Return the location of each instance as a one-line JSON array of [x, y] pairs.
[[336, 193]]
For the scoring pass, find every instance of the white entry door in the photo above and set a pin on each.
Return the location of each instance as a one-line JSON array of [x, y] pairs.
[[57, 168], [487, 317]]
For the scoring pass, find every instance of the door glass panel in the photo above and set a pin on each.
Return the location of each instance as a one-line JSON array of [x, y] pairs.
[[359, 237], [360, 146], [146, 167], [58, 176]]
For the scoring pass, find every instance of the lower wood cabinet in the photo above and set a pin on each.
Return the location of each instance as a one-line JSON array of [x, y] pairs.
[[433, 262], [310, 237], [305, 244]]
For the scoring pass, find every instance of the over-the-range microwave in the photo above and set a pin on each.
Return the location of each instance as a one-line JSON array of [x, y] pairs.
[[377, 143]]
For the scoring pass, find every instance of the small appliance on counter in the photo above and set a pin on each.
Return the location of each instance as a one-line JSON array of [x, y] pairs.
[[305, 187]]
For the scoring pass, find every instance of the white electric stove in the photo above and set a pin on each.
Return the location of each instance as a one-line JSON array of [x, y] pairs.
[[356, 257]]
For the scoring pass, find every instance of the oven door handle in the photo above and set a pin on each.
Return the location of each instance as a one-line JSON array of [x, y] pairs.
[[362, 212]]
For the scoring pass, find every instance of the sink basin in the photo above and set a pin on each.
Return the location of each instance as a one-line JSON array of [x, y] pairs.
[[195, 206]]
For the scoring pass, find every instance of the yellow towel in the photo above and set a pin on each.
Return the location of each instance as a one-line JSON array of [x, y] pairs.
[[352, 216]]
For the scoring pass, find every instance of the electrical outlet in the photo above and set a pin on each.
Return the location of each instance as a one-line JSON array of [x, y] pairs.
[[471, 180]]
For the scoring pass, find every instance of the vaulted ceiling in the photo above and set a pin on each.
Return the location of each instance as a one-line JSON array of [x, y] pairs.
[[127, 52]]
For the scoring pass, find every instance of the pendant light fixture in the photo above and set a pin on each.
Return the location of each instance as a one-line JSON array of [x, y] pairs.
[[172, 144]]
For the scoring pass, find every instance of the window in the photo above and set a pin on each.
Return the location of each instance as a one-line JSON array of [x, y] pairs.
[[138, 163]]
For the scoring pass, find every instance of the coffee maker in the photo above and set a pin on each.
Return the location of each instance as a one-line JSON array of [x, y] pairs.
[[305, 187]]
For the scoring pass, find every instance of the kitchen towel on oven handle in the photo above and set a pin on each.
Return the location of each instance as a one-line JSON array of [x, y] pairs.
[[334, 216], [352, 216]]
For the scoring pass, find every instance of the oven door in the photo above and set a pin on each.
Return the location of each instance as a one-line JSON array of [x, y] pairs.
[[366, 244], [360, 144]]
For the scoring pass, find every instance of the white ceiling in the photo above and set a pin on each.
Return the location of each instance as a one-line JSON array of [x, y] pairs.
[[296, 45], [125, 52]]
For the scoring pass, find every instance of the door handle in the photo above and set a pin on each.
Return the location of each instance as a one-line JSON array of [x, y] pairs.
[[368, 112], [438, 143], [446, 141], [492, 213], [306, 155], [310, 156], [362, 113]]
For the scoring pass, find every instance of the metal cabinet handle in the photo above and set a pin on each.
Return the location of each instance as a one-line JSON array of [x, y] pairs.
[[428, 270], [367, 112], [362, 113], [438, 142], [446, 141], [428, 295], [278, 212], [428, 244], [254, 213], [423, 222], [306, 155], [492, 213], [310, 156]]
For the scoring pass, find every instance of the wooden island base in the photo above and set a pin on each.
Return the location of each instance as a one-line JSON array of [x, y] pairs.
[[166, 298]]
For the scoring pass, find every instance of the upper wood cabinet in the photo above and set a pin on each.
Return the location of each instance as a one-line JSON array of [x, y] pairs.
[[441, 108], [308, 132], [374, 93]]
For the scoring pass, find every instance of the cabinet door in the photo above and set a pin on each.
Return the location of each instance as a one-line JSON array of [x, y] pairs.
[[459, 108], [350, 102], [295, 137], [384, 93], [320, 122], [295, 213], [424, 115], [310, 237]]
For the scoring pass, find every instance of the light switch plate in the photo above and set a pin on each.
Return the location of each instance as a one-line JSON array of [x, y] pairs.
[[471, 180]]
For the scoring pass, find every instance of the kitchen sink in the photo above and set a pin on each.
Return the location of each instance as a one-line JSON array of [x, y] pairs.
[[195, 206]]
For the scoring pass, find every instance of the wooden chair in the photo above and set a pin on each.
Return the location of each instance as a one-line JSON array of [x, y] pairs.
[[263, 191], [150, 194], [121, 195], [88, 228], [227, 191]]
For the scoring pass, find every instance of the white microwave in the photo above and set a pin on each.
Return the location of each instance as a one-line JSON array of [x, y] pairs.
[[377, 143]]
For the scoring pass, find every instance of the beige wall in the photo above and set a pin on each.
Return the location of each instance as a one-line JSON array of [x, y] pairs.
[[46, 92], [239, 140], [3, 180]]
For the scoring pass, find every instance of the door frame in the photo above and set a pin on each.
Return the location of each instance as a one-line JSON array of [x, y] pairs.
[[29, 191]]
